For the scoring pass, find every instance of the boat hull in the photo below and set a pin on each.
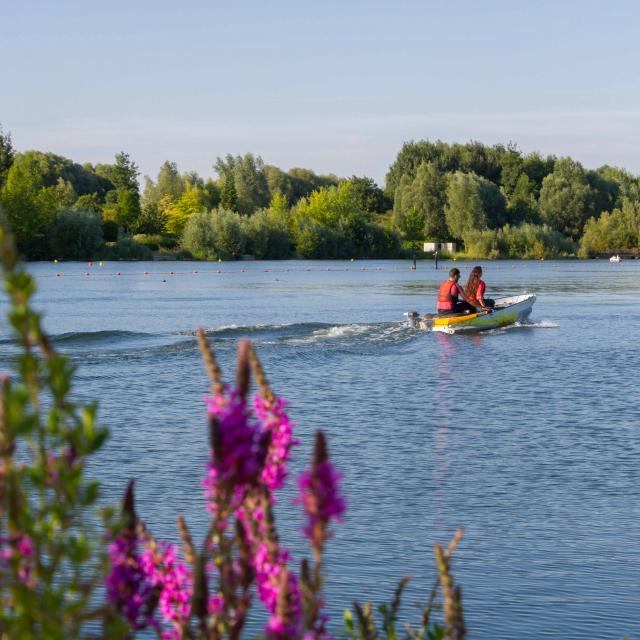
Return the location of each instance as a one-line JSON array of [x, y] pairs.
[[507, 311]]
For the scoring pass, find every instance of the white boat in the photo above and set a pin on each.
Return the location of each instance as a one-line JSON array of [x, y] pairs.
[[506, 311], [615, 258]]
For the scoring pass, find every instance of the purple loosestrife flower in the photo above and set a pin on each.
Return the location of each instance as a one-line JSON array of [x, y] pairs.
[[173, 582], [274, 420], [18, 551], [127, 586], [239, 449], [286, 620], [320, 496]]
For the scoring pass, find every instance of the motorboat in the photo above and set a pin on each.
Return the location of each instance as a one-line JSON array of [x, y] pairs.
[[615, 258], [507, 311]]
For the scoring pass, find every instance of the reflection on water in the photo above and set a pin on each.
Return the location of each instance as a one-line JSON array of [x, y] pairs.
[[528, 437]]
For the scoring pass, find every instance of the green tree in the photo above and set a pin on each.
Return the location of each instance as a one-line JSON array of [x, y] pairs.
[[279, 203], [566, 198], [493, 202], [279, 182], [464, 211], [63, 193], [122, 203], [267, 232], [29, 206], [88, 201], [316, 241], [330, 205], [197, 237], [368, 195], [523, 206], [305, 182], [152, 219], [228, 235], [427, 194], [511, 164], [411, 156], [124, 173], [178, 213], [537, 169], [6, 155], [249, 180], [213, 193], [626, 184], [413, 228], [76, 234], [169, 183], [613, 232], [228, 194]]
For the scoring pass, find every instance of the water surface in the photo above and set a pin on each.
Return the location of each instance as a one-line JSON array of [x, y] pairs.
[[526, 436]]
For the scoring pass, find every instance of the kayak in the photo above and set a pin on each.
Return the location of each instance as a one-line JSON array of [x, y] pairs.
[[506, 311]]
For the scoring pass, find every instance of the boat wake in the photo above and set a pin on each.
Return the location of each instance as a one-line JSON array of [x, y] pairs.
[[521, 326], [308, 333], [542, 324]]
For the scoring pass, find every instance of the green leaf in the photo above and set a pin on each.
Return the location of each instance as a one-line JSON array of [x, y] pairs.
[[348, 620]]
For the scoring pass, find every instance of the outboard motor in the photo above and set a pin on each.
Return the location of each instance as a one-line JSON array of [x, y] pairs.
[[412, 318]]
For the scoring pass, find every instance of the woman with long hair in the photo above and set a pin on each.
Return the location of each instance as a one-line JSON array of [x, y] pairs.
[[475, 289]]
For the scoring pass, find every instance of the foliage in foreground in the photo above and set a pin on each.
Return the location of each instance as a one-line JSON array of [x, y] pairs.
[[55, 568]]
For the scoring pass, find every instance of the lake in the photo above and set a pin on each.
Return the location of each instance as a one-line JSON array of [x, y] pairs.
[[526, 436]]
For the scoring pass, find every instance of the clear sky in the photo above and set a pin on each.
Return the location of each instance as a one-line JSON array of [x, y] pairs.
[[335, 86]]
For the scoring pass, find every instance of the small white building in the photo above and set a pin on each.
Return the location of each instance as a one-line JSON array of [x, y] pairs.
[[447, 247]]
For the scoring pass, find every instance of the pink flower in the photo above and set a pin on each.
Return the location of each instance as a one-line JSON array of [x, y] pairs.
[[216, 605], [25, 546], [127, 586], [320, 494], [172, 579], [275, 421], [239, 449]]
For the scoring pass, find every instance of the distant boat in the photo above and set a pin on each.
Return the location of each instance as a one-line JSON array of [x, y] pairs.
[[615, 258]]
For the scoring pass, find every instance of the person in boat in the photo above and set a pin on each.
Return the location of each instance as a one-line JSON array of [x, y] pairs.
[[475, 289], [448, 295]]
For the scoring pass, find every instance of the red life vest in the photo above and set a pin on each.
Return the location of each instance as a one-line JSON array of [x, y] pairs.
[[446, 299], [481, 287]]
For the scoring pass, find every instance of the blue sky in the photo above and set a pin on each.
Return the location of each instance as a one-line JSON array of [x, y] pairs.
[[333, 86]]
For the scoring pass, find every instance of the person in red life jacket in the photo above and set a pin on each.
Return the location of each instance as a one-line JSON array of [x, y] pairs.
[[448, 295], [475, 289]]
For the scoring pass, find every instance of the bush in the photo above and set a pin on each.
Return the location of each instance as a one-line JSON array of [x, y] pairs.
[[525, 242], [126, 249], [268, 235], [613, 232], [198, 236], [76, 234], [156, 241], [383, 242], [214, 234], [110, 230], [316, 241]]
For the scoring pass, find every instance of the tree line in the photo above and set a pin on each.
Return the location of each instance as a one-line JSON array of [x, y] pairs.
[[496, 201]]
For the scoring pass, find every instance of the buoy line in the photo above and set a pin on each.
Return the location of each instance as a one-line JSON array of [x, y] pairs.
[[101, 272]]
